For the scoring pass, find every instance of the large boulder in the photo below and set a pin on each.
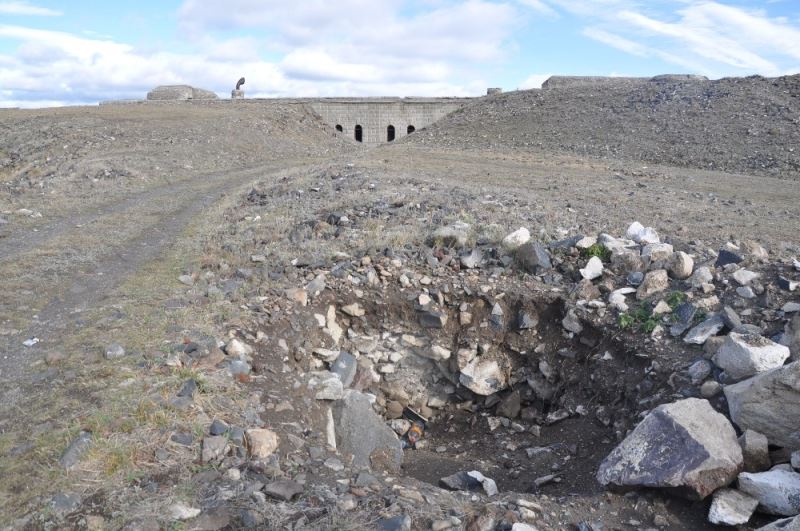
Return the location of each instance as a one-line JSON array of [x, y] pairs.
[[685, 446], [743, 355], [360, 432], [769, 403], [785, 524]]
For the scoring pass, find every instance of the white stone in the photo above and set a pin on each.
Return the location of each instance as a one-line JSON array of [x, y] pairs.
[[744, 355], [731, 507], [791, 307], [586, 242], [181, 511], [640, 234], [777, 491], [593, 269], [238, 348], [327, 385], [516, 238], [483, 377], [744, 277], [354, 310]]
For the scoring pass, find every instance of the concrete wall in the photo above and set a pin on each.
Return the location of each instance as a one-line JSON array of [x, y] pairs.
[[375, 115]]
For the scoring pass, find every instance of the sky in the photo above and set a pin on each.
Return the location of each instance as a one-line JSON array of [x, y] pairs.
[[85, 51]]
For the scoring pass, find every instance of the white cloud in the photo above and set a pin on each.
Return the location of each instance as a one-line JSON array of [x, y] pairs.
[[615, 41], [539, 6], [534, 81], [24, 8], [702, 36]]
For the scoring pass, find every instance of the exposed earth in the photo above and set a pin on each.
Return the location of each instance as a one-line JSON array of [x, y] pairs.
[[219, 317]]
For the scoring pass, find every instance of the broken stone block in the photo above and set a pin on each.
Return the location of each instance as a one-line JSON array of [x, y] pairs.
[[769, 403], [483, 377], [680, 265], [743, 355], [533, 257], [685, 446], [731, 507], [261, 442], [654, 282], [755, 451], [777, 491]]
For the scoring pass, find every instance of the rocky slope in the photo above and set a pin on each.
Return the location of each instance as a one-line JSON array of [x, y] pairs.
[[744, 125]]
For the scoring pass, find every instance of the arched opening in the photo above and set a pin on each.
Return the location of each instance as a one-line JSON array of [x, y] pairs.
[[339, 128], [411, 129], [359, 134], [390, 133]]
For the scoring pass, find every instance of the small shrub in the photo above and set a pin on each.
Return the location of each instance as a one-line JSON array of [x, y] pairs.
[[599, 250]]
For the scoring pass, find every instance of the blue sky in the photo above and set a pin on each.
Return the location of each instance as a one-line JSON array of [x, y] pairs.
[[61, 53]]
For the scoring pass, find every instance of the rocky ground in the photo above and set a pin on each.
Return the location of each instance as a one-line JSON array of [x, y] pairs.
[[416, 336], [741, 125]]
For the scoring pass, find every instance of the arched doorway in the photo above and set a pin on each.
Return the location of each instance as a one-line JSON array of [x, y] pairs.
[[339, 128], [411, 129], [359, 134], [390, 133]]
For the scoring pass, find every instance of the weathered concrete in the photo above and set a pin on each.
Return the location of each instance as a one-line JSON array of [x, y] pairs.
[[375, 115]]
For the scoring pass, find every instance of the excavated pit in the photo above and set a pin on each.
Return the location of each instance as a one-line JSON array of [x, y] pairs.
[[561, 404]]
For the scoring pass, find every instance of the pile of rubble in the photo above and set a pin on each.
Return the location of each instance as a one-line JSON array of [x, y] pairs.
[[507, 331]]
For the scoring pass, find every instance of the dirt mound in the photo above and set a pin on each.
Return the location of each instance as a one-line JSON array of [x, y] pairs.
[[83, 146], [747, 125]]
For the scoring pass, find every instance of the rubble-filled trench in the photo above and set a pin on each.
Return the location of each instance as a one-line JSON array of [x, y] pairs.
[[454, 359]]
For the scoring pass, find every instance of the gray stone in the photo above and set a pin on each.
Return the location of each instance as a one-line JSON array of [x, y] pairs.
[[533, 257], [657, 252], [432, 319], [183, 438], [784, 524], [471, 260], [469, 481], [345, 367], [510, 406], [701, 275], [769, 403], [755, 451], [684, 316], [360, 432], [777, 491], [237, 367], [746, 292], [326, 385], [483, 377], [730, 318], [635, 278], [743, 355], [188, 389], [214, 448], [72, 455], [283, 489], [218, 427], [63, 503], [114, 351], [395, 523], [685, 446], [710, 389], [744, 277], [654, 282], [700, 333], [680, 265], [795, 460], [731, 507], [699, 371], [571, 322], [726, 257], [791, 337]]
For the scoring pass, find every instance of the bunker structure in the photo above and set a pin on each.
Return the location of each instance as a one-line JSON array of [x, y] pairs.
[[374, 121]]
